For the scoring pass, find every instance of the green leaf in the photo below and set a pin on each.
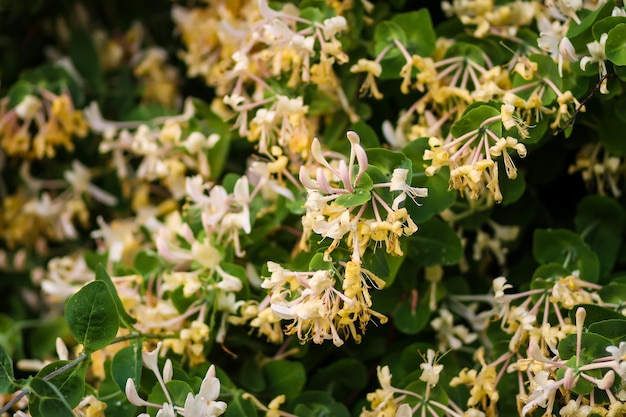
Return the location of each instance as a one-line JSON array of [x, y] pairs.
[[593, 346], [178, 392], [240, 273], [146, 262], [85, 57], [317, 263], [614, 293], [434, 243], [582, 386], [474, 118], [595, 314], [251, 375], [92, 316], [580, 34], [412, 319], [419, 31], [512, 189], [127, 363], [348, 372], [238, 407], [361, 194], [387, 161], [605, 25], [613, 329], [377, 263], [384, 36], [18, 91], [615, 47], [6, 372], [318, 404], [47, 401], [70, 383], [466, 50], [103, 276], [600, 220], [284, 377], [549, 273], [568, 249]]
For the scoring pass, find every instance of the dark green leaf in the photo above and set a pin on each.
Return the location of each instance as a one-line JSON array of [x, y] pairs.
[[568, 249], [127, 363], [70, 383], [85, 57], [47, 401], [6, 372], [593, 346], [614, 329], [251, 375], [412, 315], [600, 221], [284, 377], [348, 372], [595, 314], [434, 243], [238, 407], [323, 402]]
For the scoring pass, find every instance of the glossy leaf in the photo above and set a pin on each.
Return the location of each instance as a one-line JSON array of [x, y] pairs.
[[613, 329], [613, 292], [615, 48], [47, 401], [434, 243], [360, 196], [70, 383], [92, 316], [127, 363]]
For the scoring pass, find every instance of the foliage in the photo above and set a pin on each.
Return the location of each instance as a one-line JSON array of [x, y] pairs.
[[316, 208]]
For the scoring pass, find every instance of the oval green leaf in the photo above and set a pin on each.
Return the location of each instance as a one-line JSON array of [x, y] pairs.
[[92, 316]]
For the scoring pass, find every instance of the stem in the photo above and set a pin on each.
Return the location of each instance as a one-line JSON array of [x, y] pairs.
[[48, 377]]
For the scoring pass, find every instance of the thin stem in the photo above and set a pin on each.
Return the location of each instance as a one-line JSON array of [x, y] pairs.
[[48, 377]]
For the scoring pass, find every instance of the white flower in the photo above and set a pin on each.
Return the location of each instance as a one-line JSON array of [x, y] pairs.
[[431, 369], [28, 107]]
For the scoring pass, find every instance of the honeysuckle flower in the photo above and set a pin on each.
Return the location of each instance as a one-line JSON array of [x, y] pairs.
[[79, 178], [373, 70], [553, 40], [431, 369], [597, 54], [450, 335]]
